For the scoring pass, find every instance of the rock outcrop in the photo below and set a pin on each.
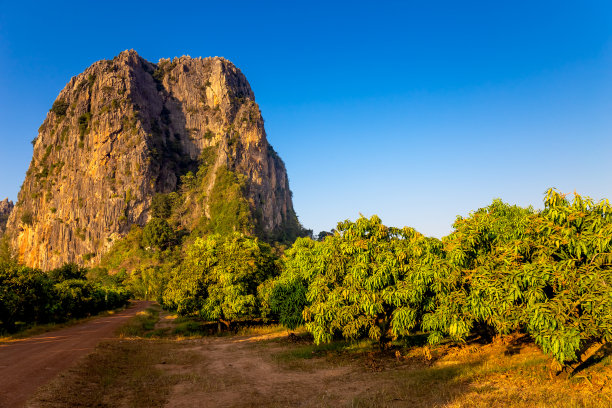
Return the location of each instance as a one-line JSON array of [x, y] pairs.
[[6, 207], [126, 130]]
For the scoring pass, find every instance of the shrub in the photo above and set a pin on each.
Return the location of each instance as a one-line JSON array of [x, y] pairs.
[[286, 294], [30, 296], [158, 234], [83, 122], [59, 107], [26, 295], [27, 218], [67, 272]]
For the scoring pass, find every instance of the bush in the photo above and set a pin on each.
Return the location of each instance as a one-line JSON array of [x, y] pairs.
[[83, 122], [286, 294], [67, 272], [158, 234], [30, 296], [59, 107], [26, 295], [367, 280], [27, 218]]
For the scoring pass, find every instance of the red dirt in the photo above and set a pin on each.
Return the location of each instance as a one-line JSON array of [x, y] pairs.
[[29, 363]]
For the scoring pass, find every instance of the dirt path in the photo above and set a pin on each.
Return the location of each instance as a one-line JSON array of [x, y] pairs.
[[237, 372], [26, 364]]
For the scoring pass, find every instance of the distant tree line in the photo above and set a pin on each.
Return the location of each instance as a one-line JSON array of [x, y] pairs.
[[30, 296]]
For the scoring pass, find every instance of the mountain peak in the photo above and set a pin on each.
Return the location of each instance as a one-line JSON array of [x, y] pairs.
[[126, 131]]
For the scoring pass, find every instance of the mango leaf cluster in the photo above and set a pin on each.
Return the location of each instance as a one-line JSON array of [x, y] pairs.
[[574, 242], [475, 286], [219, 277], [546, 273], [366, 280], [286, 294]]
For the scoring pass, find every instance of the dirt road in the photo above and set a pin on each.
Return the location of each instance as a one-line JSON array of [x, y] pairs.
[[26, 364]]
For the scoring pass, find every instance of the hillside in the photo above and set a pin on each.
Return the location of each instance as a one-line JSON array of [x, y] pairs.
[[184, 136]]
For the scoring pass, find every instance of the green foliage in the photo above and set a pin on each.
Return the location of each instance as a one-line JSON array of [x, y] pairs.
[[59, 107], [125, 253], [84, 124], [286, 294], [27, 218], [229, 209], [143, 272], [367, 280], [29, 296], [26, 295], [503, 269], [219, 277], [163, 204], [149, 282], [67, 272], [158, 234], [546, 273]]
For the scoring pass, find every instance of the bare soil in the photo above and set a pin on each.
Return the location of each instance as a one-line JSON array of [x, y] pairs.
[[29, 363], [234, 372]]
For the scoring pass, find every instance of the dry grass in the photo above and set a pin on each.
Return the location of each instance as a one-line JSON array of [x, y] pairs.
[[44, 328], [130, 371], [119, 373]]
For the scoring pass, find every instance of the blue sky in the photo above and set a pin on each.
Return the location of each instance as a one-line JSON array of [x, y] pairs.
[[415, 111]]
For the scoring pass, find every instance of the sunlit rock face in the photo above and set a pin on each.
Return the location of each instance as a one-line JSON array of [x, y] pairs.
[[6, 207], [126, 129]]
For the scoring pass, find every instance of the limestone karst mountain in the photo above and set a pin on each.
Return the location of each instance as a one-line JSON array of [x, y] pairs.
[[186, 133], [6, 206]]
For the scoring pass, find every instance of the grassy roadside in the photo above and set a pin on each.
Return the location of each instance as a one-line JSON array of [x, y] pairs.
[[127, 371], [44, 328]]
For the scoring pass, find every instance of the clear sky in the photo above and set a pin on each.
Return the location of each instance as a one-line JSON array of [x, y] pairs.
[[417, 111]]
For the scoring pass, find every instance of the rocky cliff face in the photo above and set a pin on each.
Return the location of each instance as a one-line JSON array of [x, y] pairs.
[[126, 130], [6, 207]]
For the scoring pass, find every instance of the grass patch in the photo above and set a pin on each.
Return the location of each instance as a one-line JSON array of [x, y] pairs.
[[119, 373], [186, 327], [260, 330], [138, 369], [190, 327], [140, 325], [481, 377], [37, 329]]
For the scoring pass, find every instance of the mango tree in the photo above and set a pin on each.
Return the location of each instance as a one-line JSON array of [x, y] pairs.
[[367, 280], [219, 276], [545, 273]]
